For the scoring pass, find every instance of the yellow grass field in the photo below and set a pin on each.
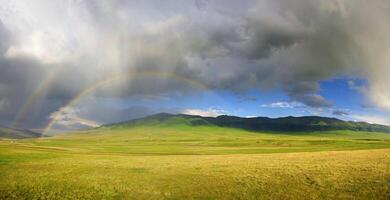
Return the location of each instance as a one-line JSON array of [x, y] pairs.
[[51, 168]]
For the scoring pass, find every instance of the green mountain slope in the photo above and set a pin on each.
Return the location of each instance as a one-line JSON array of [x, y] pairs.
[[165, 119], [11, 133], [285, 124]]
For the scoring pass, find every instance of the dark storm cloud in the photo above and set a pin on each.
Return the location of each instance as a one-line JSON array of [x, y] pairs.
[[340, 113], [17, 78], [225, 45], [305, 92]]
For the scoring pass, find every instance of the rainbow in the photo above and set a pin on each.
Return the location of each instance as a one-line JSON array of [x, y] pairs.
[[38, 92], [112, 78]]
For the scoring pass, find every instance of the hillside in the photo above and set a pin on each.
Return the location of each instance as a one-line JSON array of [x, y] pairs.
[[11, 133], [285, 124]]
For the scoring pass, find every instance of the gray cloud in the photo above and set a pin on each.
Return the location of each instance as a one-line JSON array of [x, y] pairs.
[[224, 45], [340, 113]]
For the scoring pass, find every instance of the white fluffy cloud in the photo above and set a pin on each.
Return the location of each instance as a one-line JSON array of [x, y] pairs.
[[284, 104], [69, 119], [210, 112], [373, 119]]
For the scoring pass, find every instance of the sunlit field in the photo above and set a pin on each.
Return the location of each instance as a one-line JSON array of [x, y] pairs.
[[196, 163]]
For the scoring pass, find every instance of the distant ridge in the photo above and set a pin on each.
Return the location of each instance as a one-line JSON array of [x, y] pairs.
[[11, 133], [286, 124]]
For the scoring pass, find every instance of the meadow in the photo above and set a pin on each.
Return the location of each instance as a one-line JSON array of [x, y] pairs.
[[182, 162]]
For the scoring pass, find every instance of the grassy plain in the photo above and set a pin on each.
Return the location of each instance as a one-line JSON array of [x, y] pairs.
[[182, 162]]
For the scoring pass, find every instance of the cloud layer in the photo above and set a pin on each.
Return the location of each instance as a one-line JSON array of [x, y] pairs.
[[53, 50]]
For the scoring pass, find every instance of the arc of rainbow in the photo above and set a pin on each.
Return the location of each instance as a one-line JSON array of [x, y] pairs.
[[38, 91], [105, 81]]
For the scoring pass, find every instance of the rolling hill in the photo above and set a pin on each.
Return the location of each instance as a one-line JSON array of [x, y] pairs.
[[11, 133], [284, 124]]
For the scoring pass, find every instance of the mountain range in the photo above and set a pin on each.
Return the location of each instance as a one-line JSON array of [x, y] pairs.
[[283, 124], [256, 124], [12, 133]]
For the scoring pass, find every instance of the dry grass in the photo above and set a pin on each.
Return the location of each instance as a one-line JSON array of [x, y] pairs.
[[322, 175], [201, 163]]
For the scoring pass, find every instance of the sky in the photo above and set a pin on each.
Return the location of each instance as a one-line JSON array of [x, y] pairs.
[[70, 64]]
